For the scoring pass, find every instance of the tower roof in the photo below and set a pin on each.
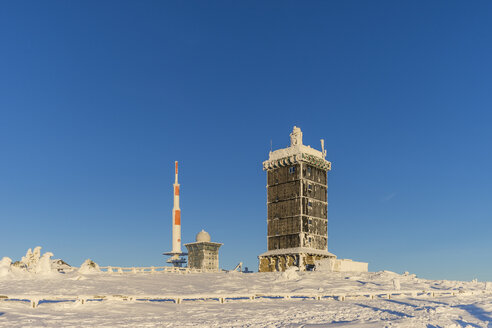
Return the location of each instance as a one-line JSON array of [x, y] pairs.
[[296, 152], [203, 236]]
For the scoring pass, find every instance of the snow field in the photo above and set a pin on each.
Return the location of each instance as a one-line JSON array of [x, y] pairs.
[[400, 311], [36, 278], [448, 312]]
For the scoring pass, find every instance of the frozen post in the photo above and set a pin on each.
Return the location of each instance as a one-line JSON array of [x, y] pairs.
[[396, 284]]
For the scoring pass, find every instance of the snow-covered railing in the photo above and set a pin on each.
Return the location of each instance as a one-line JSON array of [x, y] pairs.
[[151, 269], [223, 298]]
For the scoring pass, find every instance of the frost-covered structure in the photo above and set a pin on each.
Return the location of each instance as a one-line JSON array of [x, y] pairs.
[[297, 222], [176, 254], [297, 202], [203, 254]]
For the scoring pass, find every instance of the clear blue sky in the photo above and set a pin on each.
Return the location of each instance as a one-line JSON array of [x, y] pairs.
[[99, 98]]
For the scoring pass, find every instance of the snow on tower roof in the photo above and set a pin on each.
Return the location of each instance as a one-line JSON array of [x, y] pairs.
[[295, 152]]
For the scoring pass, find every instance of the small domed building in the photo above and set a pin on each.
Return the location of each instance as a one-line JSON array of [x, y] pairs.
[[203, 254]]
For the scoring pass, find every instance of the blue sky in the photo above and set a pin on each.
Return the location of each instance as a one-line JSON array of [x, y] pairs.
[[99, 98]]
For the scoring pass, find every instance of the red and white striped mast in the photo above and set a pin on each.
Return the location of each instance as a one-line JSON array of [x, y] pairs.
[[176, 215], [176, 253]]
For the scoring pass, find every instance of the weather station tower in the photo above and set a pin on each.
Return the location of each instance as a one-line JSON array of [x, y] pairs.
[[176, 254], [297, 206]]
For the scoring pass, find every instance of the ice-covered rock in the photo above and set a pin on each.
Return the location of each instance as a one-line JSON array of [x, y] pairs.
[[60, 266], [89, 266], [5, 266], [18, 266]]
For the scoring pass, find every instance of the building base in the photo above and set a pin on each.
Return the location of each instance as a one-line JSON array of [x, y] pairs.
[[281, 259], [176, 259]]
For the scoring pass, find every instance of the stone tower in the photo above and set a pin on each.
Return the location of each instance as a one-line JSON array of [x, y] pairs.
[[297, 221]]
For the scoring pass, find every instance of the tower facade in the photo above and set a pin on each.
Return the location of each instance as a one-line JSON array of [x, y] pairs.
[[297, 203]]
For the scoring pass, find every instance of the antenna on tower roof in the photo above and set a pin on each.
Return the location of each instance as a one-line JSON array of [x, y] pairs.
[[271, 146]]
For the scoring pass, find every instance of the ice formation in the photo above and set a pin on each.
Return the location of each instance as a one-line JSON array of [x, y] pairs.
[[43, 265], [31, 259], [34, 262], [5, 266], [89, 266]]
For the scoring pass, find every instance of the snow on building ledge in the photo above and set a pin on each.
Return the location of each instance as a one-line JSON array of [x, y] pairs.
[[298, 250], [297, 152]]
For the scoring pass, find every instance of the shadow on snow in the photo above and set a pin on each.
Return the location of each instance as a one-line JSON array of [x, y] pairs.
[[465, 324], [477, 312], [397, 313], [403, 303]]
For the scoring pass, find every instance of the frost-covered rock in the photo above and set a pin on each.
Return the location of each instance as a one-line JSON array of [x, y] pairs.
[[18, 266], [89, 266], [396, 284], [5, 266], [60, 266]]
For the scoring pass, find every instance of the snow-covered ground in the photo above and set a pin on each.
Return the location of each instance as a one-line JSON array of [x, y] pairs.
[[404, 311]]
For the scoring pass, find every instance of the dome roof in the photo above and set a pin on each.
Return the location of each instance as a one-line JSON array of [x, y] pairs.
[[202, 236]]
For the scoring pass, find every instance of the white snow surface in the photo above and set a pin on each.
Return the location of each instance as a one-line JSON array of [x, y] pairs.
[[404, 311]]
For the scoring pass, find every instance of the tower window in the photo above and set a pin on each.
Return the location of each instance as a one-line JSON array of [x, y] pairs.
[[310, 204], [309, 170], [310, 187], [292, 169]]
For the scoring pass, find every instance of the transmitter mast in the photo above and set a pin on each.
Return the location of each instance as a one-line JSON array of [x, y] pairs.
[[176, 255]]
